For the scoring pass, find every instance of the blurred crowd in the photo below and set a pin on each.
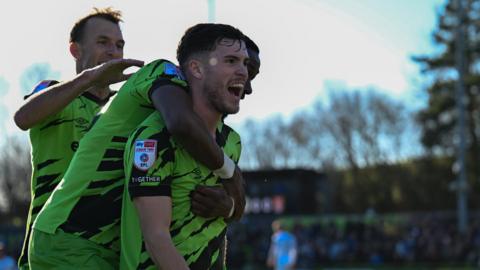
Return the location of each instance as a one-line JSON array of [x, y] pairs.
[[416, 239], [6, 262], [424, 239]]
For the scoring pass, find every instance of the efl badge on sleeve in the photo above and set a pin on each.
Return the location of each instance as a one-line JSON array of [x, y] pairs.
[[172, 70], [145, 154]]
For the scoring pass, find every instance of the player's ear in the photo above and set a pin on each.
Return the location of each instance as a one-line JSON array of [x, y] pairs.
[[75, 50], [196, 68]]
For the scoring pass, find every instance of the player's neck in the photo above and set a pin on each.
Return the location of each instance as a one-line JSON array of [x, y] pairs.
[[204, 109], [210, 117]]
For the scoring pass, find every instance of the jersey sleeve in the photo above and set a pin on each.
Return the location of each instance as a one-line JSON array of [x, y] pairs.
[[150, 161], [54, 119], [157, 73], [41, 86]]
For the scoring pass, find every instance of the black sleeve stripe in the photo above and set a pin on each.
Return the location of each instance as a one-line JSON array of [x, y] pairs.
[[157, 64], [46, 163], [119, 139], [161, 82], [110, 165], [55, 123], [143, 191], [113, 153]]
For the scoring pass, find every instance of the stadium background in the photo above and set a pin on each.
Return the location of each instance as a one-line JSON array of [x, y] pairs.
[[329, 240], [363, 179]]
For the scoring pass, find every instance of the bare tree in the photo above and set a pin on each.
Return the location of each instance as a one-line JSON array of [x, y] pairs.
[[15, 167], [3, 110], [367, 127], [352, 129], [264, 144], [15, 173], [284, 143]]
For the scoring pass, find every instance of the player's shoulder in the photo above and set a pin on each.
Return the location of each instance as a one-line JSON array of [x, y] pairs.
[[153, 124], [229, 133], [41, 86], [154, 121], [162, 67]]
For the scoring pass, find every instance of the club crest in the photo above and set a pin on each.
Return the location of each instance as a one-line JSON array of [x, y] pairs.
[[145, 154]]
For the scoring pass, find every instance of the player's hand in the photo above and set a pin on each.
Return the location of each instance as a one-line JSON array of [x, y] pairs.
[[235, 188], [208, 201], [112, 71]]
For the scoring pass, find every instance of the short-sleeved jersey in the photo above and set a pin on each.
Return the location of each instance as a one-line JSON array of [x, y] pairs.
[[87, 201], [156, 165], [54, 141]]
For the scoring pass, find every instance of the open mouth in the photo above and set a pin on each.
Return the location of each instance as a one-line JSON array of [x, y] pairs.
[[236, 89]]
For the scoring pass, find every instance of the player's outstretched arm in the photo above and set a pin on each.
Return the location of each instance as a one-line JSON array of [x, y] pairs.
[[55, 98], [155, 217]]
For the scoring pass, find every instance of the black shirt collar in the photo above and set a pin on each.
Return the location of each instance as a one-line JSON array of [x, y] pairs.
[[95, 99]]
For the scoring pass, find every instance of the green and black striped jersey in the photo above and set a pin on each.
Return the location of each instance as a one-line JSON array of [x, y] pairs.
[[87, 201], [54, 141], [156, 165]]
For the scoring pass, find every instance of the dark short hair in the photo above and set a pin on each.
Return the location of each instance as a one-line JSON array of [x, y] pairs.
[[251, 45], [205, 37], [109, 14]]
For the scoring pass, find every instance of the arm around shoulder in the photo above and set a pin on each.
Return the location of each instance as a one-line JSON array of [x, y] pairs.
[[183, 123], [49, 101]]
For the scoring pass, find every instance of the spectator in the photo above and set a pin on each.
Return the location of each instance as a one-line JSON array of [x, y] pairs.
[[283, 248], [6, 262]]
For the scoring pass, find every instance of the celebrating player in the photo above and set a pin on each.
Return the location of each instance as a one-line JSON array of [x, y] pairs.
[[159, 230], [59, 114], [84, 209]]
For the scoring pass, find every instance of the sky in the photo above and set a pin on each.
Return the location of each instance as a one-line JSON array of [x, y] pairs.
[[305, 45]]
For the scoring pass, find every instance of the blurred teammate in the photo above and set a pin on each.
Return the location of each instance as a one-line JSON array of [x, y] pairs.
[[84, 210], [58, 114], [282, 254], [159, 230]]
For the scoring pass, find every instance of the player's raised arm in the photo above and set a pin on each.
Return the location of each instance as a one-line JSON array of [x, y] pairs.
[[51, 100]]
